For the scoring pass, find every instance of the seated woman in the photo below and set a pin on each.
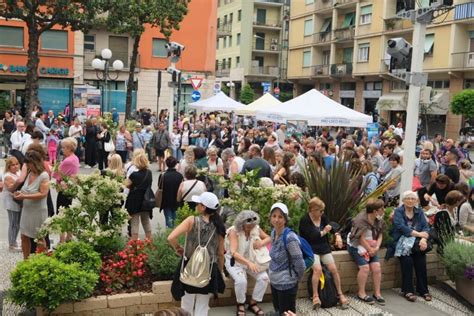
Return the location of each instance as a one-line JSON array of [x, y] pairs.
[[446, 223], [314, 227], [241, 238], [466, 214], [410, 227], [364, 241]]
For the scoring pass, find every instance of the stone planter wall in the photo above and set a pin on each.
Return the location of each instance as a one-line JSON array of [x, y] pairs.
[[138, 303], [465, 288]]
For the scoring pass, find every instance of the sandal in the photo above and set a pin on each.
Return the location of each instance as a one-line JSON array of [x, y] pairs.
[[316, 303], [410, 297], [343, 304], [428, 297], [255, 309], [366, 299], [379, 299], [240, 311]]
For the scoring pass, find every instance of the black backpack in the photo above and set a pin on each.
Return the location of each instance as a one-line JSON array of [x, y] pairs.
[[327, 294]]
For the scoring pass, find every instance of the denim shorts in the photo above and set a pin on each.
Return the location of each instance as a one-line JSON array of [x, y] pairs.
[[360, 260]]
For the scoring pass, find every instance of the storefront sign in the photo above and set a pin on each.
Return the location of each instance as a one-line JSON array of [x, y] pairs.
[[372, 94], [347, 94], [18, 69]]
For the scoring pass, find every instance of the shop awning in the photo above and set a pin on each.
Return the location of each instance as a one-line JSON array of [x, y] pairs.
[[429, 42], [392, 102], [439, 104], [348, 20]]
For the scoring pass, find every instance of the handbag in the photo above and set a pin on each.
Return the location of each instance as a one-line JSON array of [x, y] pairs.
[[149, 197], [198, 270], [416, 246], [159, 192], [416, 184], [259, 256], [109, 146]]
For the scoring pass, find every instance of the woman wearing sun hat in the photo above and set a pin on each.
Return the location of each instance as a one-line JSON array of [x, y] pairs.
[[205, 229]]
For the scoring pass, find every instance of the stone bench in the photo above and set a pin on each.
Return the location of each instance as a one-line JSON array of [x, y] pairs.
[[142, 303]]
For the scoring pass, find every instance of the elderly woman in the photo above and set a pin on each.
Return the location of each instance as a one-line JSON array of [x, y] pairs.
[[364, 242], [241, 241], [235, 163], [314, 227], [216, 166], [410, 235], [188, 160], [283, 280], [190, 187], [34, 194]]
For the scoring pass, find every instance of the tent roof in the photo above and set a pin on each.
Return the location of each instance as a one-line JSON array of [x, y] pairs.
[[317, 109], [266, 101], [219, 102]]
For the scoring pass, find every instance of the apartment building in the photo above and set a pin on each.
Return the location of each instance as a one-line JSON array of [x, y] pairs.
[[66, 56], [252, 42], [339, 47]]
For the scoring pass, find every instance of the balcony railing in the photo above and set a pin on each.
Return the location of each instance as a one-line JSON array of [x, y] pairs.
[[224, 30], [344, 34], [463, 60], [323, 4], [222, 72], [320, 70], [267, 47], [340, 2], [265, 70], [341, 70], [464, 11], [395, 24], [322, 37], [271, 1], [267, 23]]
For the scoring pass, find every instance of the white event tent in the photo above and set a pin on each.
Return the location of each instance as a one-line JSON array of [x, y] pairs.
[[219, 102], [317, 109], [266, 101]]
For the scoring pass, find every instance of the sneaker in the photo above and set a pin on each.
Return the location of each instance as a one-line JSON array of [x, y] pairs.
[[87, 167]]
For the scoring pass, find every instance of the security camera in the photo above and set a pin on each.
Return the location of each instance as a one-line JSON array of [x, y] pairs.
[[175, 45], [400, 51], [174, 73]]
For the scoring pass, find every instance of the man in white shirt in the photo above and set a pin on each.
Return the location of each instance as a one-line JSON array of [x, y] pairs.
[[281, 135], [19, 139], [39, 124]]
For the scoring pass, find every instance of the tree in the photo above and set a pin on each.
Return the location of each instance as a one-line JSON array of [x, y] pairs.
[[247, 95], [41, 16], [131, 16], [463, 103]]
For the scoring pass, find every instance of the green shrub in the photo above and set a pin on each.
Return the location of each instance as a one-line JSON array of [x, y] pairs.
[[81, 253], [162, 259], [184, 212], [46, 282], [456, 257], [107, 246]]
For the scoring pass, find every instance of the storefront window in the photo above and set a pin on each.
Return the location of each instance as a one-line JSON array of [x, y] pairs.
[[53, 39]]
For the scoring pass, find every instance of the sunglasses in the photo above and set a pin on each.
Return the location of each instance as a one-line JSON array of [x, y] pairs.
[[252, 219]]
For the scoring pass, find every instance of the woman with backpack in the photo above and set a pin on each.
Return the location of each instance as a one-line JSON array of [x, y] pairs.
[[314, 227], [205, 239], [287, 264]]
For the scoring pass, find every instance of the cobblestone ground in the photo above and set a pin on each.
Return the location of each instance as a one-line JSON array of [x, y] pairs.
[[8, 261]]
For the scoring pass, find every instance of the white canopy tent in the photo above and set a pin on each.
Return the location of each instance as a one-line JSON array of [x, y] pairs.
[[317, 109], [266, 101], [219, 102]]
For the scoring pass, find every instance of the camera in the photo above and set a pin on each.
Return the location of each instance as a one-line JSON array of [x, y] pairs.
[[400, 51], [174, 48]]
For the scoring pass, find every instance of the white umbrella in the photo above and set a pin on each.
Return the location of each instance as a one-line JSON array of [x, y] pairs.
[[317, 109], [266, 101], [219, 102]]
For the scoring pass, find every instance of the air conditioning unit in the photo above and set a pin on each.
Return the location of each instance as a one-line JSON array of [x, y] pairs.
[[319, 70], [274, 41], [341, 69], [273, 47]]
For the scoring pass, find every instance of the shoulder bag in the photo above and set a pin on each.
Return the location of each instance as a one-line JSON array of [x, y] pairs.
[[149, 201], [109, 146], [198, 270], [159, 192], [181, 203]]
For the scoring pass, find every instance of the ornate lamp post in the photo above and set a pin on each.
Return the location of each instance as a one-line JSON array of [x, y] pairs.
[[231, 87], [102, 71]]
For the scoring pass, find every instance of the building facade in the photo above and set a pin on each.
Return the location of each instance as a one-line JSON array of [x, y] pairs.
[[68, 63], [252, 42], [339, 47]]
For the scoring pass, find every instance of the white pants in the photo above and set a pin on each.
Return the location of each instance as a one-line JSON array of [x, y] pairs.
[[239, 275], [195, 304]]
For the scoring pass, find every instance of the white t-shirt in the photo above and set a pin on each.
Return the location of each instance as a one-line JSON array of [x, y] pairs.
[[75, 130], [198, 189]]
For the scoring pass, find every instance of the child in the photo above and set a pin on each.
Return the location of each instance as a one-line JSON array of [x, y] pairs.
[[176, 143], [52, 143]]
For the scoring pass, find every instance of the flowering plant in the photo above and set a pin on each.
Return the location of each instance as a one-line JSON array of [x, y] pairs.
[[126, 269], [469, 272], [96, 210]]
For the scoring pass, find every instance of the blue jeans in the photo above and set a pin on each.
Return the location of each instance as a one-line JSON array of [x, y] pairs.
[[170, 216]]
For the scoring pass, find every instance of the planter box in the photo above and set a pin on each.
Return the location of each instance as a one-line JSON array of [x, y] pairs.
[[160, 297], [465, 288]]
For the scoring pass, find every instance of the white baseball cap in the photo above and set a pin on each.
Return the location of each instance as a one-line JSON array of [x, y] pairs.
[[280, 206], [207, 199]]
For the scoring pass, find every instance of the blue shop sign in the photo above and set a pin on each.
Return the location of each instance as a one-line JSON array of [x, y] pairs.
[[42, 70]]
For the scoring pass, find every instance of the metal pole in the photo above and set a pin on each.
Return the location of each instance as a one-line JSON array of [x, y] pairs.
[[106, 88], [418, 50]]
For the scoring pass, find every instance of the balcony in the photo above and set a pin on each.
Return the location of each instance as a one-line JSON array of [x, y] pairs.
[[222, 72], [341, 3], [341, 70], [320, 71], [464, 11], [271, 2], [323, 5], [345, 34], [463, 60], [267, 24], [323, 37], [397, 25], [90, 55], [266, 47], [224, 30], [265, 71]]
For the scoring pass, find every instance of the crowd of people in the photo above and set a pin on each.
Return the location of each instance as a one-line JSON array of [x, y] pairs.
[[202, 147]]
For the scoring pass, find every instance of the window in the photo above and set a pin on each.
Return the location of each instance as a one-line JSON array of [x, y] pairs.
[[11, 36], [308, 27], [89, 42], [325, 86], [238, 39], [230, 41], [261, 16], [229, 62], [399, 85], [218, 22], [373, 85], [239, 15], [217, 44], [366, 14], [348, 86], [349, 20], [309, 2], [231, 18], [326, 57], [225, 19], [438, 84], [225, 42], [223, 64], [429, 44], [237, 61], [307, 58], [56, 40], [326, 26], [159, 49], [364, 52]]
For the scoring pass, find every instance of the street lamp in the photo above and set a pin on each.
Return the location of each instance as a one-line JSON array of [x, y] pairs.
[[231, 87], [102, 71]]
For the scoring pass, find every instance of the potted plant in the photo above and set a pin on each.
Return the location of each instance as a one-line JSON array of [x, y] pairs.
[[458, 258]]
